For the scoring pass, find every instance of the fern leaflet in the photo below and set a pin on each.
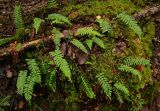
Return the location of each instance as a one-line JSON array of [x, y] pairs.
[[79, 44], [21, 81], [61, 63], [131, 23], [58, 19], [89, 43], [56, 36], [37, 24], [121, 87], [129, 69], [34, 69], [98, 42], [88, 31], [104, 84], [105, 26], [52, 81], [87, 88]]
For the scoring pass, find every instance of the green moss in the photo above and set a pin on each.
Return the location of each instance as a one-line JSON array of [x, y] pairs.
[[95, 7]]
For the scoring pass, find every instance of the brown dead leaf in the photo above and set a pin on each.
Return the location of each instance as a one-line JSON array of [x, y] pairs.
[[21, 105], [9, 73]]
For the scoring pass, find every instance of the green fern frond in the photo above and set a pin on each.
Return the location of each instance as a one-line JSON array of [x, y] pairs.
[[118, 94], [105, 26], [98, 42], [88, 31], [86, 87], [131, 23], [61, 63], [79, 45], [89, 43], [37, 23], [29, 86], [121, 87], [131, 70], [51, 4], [21, 81], [17, 15], [136, 61], [58, 19], [52, 81], [56, 36], [104, 84], [34, 70], [4, 101]]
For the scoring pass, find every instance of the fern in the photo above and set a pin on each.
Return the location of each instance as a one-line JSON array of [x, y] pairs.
[[131, 23], [21, 81], [89, 43], [34, 70], [56, 36], [87, 88], [17, 15], [104, 84], [58, 19], [105, 26], [79, 44], [37, 24], [118, 94], [52, 81], [129, 69], [121, 87], [136, 61], [51, 4], [88, 31], [29, 86], [5, 40], [4, 101], [61, 63], [98, 42]]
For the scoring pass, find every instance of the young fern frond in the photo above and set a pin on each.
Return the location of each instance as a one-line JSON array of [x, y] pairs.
[[37, 23], [131, 70], [86, 87], [61, 63], [105, 26], [136, 61], [131, 23], [56, 36], [98, 42], [21, 81], [88, 31], [17, 15], [121, 87], [34, 70], [29, 86], [79, 45], [104, 84], [58, 19], [89, 43]]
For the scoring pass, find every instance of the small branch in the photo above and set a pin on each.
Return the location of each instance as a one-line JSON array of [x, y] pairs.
[[8, 50]]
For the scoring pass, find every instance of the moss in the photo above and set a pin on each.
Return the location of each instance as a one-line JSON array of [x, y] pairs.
[[95, 7]]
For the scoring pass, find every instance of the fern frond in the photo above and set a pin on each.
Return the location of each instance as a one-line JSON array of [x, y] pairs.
[[136, 61], [86, 87], [58, 19], [37, 23], [89, 43], [29, 86], [56, 36], [88, 31], [51, 4], [121, 87], [79, 45], [61, 63], [34, 70], [131, 23], [17, 15], [118, 94], [129, 69], [4, 101], [105, 26], [52, 81], [21, 81], [104, 84], [98, 42]]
